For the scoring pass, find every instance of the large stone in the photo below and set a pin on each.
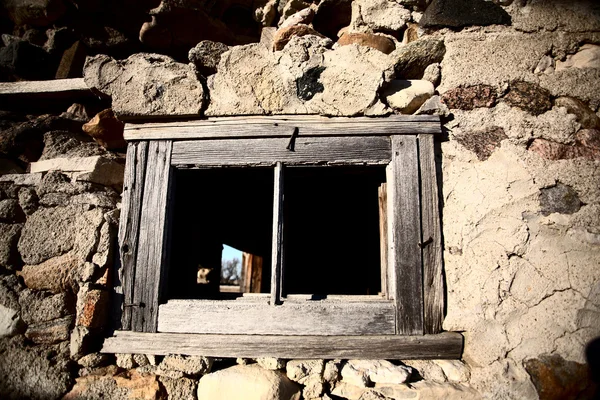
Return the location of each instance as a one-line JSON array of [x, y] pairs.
[[434, 106], [50, 332], [588, 56], [529, 97], [455, 370], [9, 239], [298, 370], [54, 275], [559, 199], [180, 389], [482, 142], [109, 384], [556, 378], [33, 372], [247, 382], [470, 97], [426, 390], [40, 306], [425, 369], [284, 35], [11, 323], [553, 15], [47, 233], [34, 12], [193, 366], [368, 372], [146, 84], [64, 144], [459, 13], [412, 59], [378, 15], [585, 116], [205, 56], [106, 130], [379, 42], [406, 96]]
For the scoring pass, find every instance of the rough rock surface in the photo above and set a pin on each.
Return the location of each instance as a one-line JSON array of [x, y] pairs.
[[412, 59], [247, 382], [10, 322], [284, 35], [55, 275], [67, 144], [146, 84], [205, 56], [557, 378], [379, 42], [378, 15], [560, 199], [192, 366], [367, 372], [9, 238], [459, 13], [482, 142], [529, 97], [106, 130], [468, 98], [585, 116]]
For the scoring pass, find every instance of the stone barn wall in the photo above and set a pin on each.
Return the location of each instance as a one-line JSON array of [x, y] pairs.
[[516, 83]]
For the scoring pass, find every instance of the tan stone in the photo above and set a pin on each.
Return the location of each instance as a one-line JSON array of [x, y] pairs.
[[588, 56], [406, 96], [92, 307], [379, 42], [54, 274], [283, 35], [112, 386], [106, 130]]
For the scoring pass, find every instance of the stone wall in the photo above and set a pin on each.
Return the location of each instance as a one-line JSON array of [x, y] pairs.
[[517, 85]]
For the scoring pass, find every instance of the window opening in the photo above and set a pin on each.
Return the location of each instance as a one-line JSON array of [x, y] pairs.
[[216, 210]]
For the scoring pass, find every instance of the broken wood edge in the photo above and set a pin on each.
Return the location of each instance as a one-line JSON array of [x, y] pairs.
[[445, 345]]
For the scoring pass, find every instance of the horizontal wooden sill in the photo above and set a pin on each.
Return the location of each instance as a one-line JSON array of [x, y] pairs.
[[446, 345], [50, 89]]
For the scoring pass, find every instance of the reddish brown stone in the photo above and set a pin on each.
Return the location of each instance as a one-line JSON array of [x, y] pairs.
[[54, 274], [587, 145], [468, 98], [106, 130], [92, 308], [110, 384], [482, 142], [381, 43], [556, 378], [529, 97], [284, 35], [50, 332]]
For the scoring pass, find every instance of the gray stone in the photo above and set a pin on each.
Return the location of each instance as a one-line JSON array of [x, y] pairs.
[[559, 199], [10, 322], [434, 106], [378, 15], [10, 211], [585, 116], [554, 15], [9, 292], [28, 200], [205, 56], [529, 97], [433, 73], [39, 306], [94, 360], [68, 144], [247, 382], [146, 84], [455, 370], [9, 239], [77, 112], [368, 372], [271, 363], [180, 389], [50, 332], [407, 96], [125, 361], [80, 343], [459, 13], [482, 142], [412, 59], [426, 369], [331, 372], [47, 233], [189, 365], [33, 372], [141, 360], [298, 370]]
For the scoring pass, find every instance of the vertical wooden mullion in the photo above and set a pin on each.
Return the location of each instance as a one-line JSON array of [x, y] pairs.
[[404, 212], [277, 247], [433, 283], [383, 238], [131, 206], [151, 262]]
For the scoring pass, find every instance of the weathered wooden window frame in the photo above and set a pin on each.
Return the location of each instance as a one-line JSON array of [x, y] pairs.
[[406, 323]]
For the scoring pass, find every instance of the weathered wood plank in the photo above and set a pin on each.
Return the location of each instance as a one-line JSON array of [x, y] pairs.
[[277, 243], [433, 282], [404, 212], [133, 191], [289, 318], [383, 237], [284, 126], [315, 150], [150, 262], [59, 88], [447, 345], [252, 266]]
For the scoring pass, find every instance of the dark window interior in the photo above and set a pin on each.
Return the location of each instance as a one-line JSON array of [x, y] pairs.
[[331, 230]]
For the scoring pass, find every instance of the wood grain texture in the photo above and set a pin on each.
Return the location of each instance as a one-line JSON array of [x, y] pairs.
[[447, 345], [383, 237], [59, 88], [290, 318], [133, 192], [404, 211], [150, 263], [433, 282], [277, 244], [283, 126], [316, 150]]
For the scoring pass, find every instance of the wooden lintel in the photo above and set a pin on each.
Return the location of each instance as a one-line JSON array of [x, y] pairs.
[[446, 345], [284, 126]]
